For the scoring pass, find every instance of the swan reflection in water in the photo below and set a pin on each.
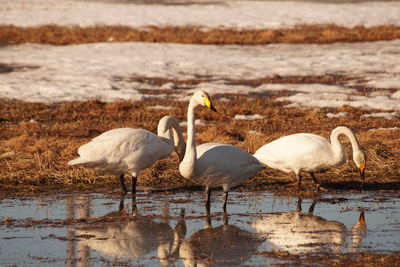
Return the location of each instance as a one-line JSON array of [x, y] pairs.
[[297, 232], [135, 237], [223, 245], [358, 232]]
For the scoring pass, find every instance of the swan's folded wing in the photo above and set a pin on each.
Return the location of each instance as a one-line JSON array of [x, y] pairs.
[[118, 148]]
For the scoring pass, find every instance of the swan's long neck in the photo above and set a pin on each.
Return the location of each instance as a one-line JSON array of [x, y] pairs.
[[164, 133], [337, 145], [189, 161], [179, 141]]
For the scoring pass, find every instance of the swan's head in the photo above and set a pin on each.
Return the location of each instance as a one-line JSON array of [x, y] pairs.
[[201, 97], [168, 123], [359, 160]]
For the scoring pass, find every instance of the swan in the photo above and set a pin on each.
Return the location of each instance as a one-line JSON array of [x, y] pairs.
[[128, 150], [310, 152], [214, 164]]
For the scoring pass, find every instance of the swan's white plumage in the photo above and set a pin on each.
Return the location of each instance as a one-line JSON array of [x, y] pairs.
[[123, 150], [297, 152], [221, 165], [309, 152], [214, 164], [128, 150]]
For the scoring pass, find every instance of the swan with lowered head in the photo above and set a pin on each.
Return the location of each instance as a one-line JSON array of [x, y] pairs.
[[309, 152], [128, 150], [214, 164]]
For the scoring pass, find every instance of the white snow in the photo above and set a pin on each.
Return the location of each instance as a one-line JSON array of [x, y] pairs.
[[159, 107], [255, 133], [240, 14], [385, 115], [384, 129], [337, 115], [249, 117], [104, 71]]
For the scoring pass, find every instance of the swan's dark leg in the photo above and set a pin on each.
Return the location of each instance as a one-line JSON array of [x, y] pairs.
[[122, 181], [225, 199], [134, 181], [298, 177], [208, 196]]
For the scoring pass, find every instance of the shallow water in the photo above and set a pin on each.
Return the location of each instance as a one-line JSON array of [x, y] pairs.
[[41, 231]]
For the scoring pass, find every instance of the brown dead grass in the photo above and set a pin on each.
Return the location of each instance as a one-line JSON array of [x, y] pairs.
[[33, 156], [334, 259], [63, 35]]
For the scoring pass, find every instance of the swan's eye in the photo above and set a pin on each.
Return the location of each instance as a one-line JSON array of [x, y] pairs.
[[202, 96]]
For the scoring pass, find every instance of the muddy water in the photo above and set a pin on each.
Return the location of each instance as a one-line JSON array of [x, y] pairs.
[[173, 229]]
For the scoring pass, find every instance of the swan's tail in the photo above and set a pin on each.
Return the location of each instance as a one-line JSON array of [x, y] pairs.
[[78, 161]]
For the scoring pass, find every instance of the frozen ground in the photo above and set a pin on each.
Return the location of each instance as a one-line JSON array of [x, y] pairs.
[[106, 71], [247, 14]]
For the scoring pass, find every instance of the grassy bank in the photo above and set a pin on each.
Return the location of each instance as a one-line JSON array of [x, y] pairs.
[[37, 140], [318, 34]]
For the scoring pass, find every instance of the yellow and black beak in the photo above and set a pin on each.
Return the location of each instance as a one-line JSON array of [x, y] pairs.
[[361, 170], [208, 103]]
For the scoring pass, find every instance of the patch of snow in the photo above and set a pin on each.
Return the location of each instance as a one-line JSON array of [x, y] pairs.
[[106, 71], [249, 117], [384, 129], [396, 95], [169, 86], [159, 107], [236, 14], [385, 115], [338, 115], [255, 132]]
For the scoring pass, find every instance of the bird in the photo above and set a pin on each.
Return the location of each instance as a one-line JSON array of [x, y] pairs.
[[127, 150], [214, 164], [309, 152]]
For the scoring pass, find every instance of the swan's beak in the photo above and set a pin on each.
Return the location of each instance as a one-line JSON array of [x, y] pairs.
[[208, 104], [361, 170]]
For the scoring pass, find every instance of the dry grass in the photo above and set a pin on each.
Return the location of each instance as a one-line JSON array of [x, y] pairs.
[[33, 156], [63, 35]]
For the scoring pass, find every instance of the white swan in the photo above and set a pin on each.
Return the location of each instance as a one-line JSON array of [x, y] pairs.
[[127, 150], [214, 164], [310, 152]]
